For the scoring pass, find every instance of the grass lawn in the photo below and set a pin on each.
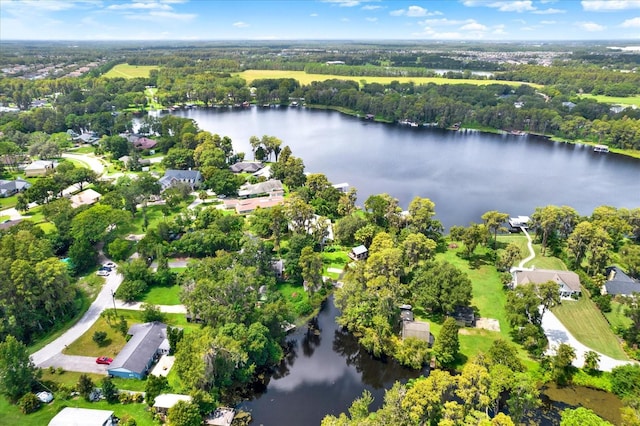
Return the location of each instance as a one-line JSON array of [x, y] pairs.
[[83, 150], [163, 295], [85, 346], [540, 262], [629, 100], [304, 78], [489, 298], [585, 322], [616, 317], [130, 71], [336, 259], [296, 297], [10, 415]]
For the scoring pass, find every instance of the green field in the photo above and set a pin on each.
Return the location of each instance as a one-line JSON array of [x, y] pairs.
[[163, 295], [304, 78], [130, 71], [629, 100], [585, 322], [85, 346], [540, 262]]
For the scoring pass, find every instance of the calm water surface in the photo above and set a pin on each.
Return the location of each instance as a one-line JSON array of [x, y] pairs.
[[325, 371], [464, 173]]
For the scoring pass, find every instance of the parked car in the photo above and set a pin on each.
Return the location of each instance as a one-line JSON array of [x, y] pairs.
[[45, 396], [102, 273], [109, 265], [104, 360]]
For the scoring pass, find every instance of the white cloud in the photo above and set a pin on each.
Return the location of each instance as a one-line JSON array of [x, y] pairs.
[[314, 15], [513, 6], [473, 26], [550, 11], [140, 6], [414, 12], [441, 22], [160, 16], [631, 23], [597, 5], [590, 26], [372, 19], [344, 3], [548, 22], [240, 24], [371, 7]]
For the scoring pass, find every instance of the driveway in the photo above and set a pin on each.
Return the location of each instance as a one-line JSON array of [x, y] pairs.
[[557, 333], [82, 364], [137, 306], [102, 302]]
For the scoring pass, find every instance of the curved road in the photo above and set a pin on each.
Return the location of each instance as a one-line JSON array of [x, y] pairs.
[[92, 161]]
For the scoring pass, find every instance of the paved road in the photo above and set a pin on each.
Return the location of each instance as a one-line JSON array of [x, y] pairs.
[[557, 333], [82, 364], [102, 302], [92, 161]]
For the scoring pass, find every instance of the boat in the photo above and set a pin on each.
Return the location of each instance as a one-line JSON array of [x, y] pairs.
[[601, 148]]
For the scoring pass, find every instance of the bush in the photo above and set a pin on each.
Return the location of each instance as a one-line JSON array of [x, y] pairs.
[[127, 420], [124, 398], [100, 337], [625, 381], [29, 403], [64, 392], [60, 370], [603, 303], [52, 370]]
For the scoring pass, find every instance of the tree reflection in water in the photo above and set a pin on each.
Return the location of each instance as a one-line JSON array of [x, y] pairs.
[[312, 337]]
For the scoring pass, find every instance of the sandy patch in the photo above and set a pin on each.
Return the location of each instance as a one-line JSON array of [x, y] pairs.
[[488, 324]]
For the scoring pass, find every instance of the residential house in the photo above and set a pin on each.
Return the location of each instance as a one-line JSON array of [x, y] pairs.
[[246, 167], [165, 401], [342, 187], [12, 187], [85, 198], [568, 282], [418, 330], [69, 416], [465, 316], [569, 105], [126, 160], [145, 143], [620, 284], [173, 177], [272, 188], [247, 206], [359, 253], [148, 341], [39, 168]]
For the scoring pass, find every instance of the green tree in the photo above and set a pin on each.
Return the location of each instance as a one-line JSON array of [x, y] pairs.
[[524, 396], [417, 248], [440, 286], [204, 401], [508, 257], [421, 218], [84, 386], [99, 337], [501, 352], [311, 265], [582, 417], [591, 361], [561, 364], [472, 236], [447, 345], [625, 381], [153, 387], [494, 221], [109, 390], [17, 372], [184, 414]]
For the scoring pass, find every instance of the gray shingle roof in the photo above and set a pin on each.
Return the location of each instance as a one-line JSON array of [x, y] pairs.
[[246, 167], [539, 276], [620, 283], [184, 175], [144, 343]]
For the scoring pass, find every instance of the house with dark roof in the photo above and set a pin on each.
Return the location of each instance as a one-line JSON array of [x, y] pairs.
[[246, 167], [568, 282], [173, 177], [148, 341], [620, 284], [145, 143], [12, 187]]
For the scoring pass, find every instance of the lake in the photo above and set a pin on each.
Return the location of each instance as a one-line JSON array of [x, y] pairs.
[[465, 173]]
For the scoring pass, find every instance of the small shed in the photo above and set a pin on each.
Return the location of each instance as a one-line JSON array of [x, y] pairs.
[[464, 316], [359, 253], [165, 401]]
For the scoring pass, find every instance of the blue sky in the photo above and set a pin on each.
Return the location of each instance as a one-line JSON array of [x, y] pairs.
[[319, 20]]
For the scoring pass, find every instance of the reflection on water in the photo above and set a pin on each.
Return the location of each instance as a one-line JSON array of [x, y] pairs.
[[324, 371], [555, 399]]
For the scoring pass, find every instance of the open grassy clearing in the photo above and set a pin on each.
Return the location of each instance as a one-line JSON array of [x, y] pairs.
[[337, 260], [617, 319], [629, 100], [163, 295], [85, 346], [296, 297], [585, 322], [304, 78], [130, 71]]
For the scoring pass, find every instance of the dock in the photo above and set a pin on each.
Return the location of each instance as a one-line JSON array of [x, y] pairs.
[[222, 416], [601, 148]]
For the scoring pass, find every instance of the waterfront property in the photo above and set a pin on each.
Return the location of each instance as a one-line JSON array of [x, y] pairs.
[[568, 282], [246, 167], [620, 284], [601, 148], [418, 330], [148, 341], [165, 401], [272, 188]]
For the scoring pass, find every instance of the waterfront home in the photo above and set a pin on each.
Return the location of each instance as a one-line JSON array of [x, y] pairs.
[[246, 167], [568, 282], [165, 401], [272, 188], [418, 330]]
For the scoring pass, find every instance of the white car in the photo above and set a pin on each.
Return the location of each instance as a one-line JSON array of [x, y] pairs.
[[45, 396], [110, 265], [102, 273]]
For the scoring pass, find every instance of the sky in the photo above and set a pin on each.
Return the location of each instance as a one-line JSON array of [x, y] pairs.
[[472, 20]]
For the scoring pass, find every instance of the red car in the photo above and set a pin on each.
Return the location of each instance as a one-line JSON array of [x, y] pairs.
[[104, 360]]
